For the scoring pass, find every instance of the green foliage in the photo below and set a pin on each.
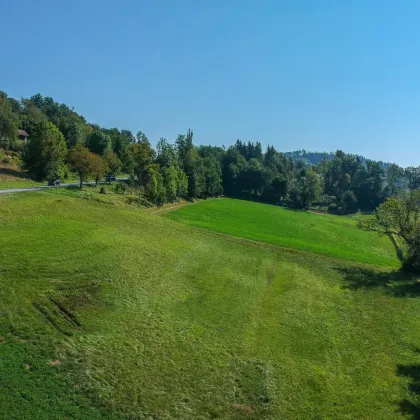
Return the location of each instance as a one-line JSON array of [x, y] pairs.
[[277, 189], [84, 163], [8, 122], [120, 140], [72, 125], [182, 183], [153, 184], [10, 157], [120, 187], [113, 162], [333, 208], [243, 170], [413, 177], [399, 216], [394, 179], [143, 157], [349, 173], [213, 176], [305, 189], [46, 151], [166, 154], [98, 167], [251, 179], [170, 182], [349, 201], [74, 131], [98, 142]]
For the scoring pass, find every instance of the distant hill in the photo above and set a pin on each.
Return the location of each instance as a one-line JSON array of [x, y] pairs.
[[315, 157]]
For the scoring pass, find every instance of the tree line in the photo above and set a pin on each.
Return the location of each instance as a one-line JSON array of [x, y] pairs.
[[61, 140], [314, 158]]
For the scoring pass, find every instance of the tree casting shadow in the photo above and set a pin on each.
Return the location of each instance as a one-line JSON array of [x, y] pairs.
[[398, 283]]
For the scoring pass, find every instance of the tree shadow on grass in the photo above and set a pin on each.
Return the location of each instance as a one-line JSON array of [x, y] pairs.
[[407, 407], [15, 173], [398, 283]]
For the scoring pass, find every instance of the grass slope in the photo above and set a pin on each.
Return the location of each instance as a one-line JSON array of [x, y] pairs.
[[319, 233], [12, 177], [112, 312]]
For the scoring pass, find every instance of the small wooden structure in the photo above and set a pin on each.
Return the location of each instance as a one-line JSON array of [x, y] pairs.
[[23, 135]]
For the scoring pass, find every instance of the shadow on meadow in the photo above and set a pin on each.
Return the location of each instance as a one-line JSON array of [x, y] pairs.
[[398, 283], [13, 172], [407, 407]]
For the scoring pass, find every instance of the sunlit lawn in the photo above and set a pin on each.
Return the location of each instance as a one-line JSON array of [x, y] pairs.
[[335, 236], [112, 312]]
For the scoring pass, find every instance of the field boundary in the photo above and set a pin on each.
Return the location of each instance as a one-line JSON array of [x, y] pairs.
[[167, 208], [278, 248]]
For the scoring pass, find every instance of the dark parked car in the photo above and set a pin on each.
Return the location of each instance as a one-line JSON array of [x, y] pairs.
[[54, 182], [110, 178]]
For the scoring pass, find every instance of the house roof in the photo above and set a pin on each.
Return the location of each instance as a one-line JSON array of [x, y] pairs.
[[23, 133]]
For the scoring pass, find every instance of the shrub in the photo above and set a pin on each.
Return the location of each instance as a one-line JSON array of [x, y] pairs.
[[333, 208], [349, 201], [120, 188]]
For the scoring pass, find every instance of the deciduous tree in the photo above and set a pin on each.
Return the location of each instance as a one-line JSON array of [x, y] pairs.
[[399, 216], [113, 162], [98, 142], [46, 151], [98, 167], [81, 161], [8, 122]]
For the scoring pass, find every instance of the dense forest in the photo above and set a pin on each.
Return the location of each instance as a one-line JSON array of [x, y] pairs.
[[62, 141], [314, 158]]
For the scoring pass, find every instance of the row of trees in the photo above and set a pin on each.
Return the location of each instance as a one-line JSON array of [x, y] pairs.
[[60, 138], [46, 156]]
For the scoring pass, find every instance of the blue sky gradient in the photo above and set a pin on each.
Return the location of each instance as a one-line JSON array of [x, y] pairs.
[[318, 75]]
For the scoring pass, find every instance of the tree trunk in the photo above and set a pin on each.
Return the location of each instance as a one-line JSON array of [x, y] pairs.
[[81, 183]]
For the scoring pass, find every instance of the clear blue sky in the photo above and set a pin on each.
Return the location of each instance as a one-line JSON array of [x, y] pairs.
[[318, 75]]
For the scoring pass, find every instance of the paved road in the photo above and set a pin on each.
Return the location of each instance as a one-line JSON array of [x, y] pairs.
[[18, 190]]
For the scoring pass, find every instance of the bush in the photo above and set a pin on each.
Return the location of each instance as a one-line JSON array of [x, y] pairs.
[[333, 208], [10, 158], [321, 209], [18, 146], [325, 200], [349, 201], [120, 188], [65, 172]]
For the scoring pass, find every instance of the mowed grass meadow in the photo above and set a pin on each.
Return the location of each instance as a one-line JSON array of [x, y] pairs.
[[114, 312], [315, 232]]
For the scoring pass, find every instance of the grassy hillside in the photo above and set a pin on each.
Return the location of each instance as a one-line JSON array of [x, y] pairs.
[[11, 174], [113, 312], [319, 233]]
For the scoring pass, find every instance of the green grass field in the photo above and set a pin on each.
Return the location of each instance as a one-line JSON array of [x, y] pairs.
[[319, 233], [112, 312]]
